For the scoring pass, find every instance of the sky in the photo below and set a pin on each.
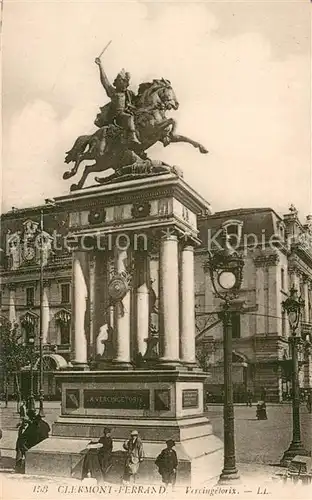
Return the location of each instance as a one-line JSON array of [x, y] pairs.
[[241, 72]]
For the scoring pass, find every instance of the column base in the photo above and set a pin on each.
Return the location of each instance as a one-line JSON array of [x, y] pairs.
[[190, 365], [167, 364], [228, 476], [293, 450], [121, 365], [80, 366]]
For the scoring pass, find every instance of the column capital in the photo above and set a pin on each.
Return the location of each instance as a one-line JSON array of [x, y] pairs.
[[169, 234]]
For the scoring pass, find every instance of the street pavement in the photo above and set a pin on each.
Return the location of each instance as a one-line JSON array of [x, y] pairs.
[[259, 443]]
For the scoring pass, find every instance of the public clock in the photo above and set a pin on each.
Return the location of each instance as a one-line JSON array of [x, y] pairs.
[[29, 253]]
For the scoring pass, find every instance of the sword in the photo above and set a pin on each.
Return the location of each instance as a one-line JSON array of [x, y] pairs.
[[106, 47]]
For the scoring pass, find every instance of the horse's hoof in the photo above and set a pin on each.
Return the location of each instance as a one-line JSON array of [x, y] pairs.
[[100, 180], [74, 187], [203, 150], [67, 175]]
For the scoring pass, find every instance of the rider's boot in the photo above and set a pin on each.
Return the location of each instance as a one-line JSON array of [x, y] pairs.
[[133, 137]]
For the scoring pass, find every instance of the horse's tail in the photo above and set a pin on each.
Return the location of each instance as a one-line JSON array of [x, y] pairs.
[[78, 148]]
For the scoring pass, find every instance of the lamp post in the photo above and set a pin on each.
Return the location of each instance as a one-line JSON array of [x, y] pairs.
[[50, 203], [226, 273], [293, 306], [41, 391], [31, 400]]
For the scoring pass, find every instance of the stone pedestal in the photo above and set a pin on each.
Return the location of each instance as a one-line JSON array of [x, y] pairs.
[[160, 406], [146, 378]]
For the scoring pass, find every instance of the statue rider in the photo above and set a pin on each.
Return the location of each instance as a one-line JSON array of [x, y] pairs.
[[122, 102]]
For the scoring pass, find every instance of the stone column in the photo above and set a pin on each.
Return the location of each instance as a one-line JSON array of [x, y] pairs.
[[169, 299], [142, 302], [12, 311], [187, 306], [80, 294], [45, 314], [122, 318]]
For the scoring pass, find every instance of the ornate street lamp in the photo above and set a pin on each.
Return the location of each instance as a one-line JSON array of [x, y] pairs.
[[226, 273], [293, 306]]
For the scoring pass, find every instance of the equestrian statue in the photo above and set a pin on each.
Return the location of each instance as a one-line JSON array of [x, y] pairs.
[[128, 126]]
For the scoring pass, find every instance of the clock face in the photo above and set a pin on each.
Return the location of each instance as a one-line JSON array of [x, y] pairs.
[[29, 253]]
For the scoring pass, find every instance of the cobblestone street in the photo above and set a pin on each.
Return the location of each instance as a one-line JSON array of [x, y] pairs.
[[257, 441]]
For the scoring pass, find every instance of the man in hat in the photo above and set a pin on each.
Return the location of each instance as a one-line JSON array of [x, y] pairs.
[[122, 103], [167, 463], [106, 452], [134, 456], [91, 467]]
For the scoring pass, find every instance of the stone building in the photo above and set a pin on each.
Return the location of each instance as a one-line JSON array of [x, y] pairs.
[[278, 254], [20, 287]]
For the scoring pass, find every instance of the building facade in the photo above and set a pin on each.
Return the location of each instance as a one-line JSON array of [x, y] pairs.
[[20, 289], [277, 255]]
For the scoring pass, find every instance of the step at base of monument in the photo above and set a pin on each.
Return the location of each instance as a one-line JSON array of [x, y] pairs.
[[200, 460], [149, 429]]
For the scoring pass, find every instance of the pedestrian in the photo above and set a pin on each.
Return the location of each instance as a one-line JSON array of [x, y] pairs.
[[134, 456], [249, 398], [37, 430], [167, 463], [91, 467], [43, 428], [20, 446], [23, 409], [106, 451], [263, 394]]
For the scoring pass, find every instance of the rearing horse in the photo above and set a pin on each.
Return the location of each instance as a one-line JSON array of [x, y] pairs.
[[109, 146]]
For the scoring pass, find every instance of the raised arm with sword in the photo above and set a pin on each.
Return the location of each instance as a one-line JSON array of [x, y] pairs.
[[122, 101]]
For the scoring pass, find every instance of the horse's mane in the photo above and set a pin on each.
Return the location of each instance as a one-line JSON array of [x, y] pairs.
[[143, 87]]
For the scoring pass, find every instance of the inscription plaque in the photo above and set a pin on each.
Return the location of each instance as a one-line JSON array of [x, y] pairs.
[[116, 399], [190, 398], [162, 399], [72, 398]]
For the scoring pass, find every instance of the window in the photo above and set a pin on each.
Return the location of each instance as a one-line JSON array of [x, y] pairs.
[[236, 325], [30, 297], [65, 333], [282, 279], [65, 293]]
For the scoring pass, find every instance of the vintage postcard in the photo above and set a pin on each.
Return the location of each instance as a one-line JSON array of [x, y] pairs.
[[156, 249]]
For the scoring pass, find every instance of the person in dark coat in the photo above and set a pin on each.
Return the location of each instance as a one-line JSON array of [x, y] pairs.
[[37, 430], [106, 452], [22, 409], [20, 446], [167, 463], [91, 466], [263, 394], [43, 428]]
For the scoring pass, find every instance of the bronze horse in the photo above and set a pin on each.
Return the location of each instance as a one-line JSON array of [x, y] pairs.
[[109, 147]]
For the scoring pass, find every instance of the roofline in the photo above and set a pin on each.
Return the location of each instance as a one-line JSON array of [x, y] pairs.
[[243, 211]]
